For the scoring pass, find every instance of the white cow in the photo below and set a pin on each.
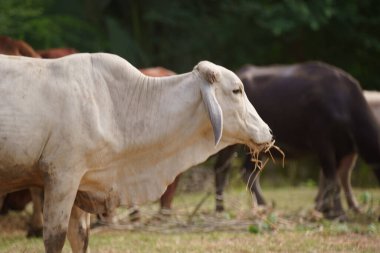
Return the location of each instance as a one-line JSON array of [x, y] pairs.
[[95, 133]]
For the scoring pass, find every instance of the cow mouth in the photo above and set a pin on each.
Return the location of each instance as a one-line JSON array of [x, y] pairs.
[[258, 148], [255, 151]]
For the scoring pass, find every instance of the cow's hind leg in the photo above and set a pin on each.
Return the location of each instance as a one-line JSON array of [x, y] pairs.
[[79, 230], [35, 226], [346, 166], [59, 194]]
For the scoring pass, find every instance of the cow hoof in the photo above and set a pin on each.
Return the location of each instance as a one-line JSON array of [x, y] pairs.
[[219, 209], [34, 233]]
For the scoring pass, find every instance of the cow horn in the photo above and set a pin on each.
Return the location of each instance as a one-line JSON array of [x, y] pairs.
[[213, 109]]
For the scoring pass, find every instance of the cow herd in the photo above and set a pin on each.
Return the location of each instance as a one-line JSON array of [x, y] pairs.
[[94, 133]]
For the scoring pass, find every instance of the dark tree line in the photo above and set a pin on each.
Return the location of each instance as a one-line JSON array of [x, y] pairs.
[[177, 34]]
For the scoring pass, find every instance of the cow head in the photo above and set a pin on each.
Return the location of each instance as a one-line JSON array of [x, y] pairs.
[[233, 117]]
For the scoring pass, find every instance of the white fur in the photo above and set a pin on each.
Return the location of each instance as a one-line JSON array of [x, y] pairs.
[[373, 100]]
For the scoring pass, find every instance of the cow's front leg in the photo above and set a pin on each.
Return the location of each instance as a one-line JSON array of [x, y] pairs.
[[331, 205], [79, 230], [60, 191]]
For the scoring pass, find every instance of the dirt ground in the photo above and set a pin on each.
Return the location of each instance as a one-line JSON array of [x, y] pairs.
[[289, 224]]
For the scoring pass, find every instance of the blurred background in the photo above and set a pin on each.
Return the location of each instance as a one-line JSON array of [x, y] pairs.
[[178, 34]]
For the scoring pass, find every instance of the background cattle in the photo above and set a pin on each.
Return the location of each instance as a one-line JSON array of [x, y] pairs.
[[10, 46], [52, 53], [320, 111]]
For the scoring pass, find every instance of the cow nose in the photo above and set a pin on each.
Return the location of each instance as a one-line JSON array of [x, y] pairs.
[[265, 135]]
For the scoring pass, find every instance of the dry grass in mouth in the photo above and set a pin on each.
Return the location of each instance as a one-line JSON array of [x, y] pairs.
[[259, 165]]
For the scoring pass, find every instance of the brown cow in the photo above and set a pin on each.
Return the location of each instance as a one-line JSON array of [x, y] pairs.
[[56, 52], [10, 46]]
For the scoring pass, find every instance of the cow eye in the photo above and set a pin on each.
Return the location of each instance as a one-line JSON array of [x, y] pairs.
[[237, 91]]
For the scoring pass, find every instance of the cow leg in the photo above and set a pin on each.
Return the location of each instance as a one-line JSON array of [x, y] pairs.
[[79, 230], [2, 197], [346, 166], [167, 198], [248, 176], [344, 172], [35, 226], [321, 186], [59, 195], [331, 206], [221, 168]]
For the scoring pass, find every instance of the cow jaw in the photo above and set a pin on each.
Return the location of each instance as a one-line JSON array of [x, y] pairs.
[[259, 131]]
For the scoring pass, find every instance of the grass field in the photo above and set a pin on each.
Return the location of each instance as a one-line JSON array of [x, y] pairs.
[[289, 225]]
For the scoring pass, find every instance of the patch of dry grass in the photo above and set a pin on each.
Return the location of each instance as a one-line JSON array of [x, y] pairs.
[[286, 227]]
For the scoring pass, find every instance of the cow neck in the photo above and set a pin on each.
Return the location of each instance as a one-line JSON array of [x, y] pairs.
[[148, 110], [164, 130]]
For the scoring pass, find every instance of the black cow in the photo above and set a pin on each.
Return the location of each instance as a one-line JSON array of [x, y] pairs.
[[313, 109]]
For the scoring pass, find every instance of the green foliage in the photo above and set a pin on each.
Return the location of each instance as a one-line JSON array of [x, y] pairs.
[[14, 15], [254, 229], [44, 25], [178, 34]]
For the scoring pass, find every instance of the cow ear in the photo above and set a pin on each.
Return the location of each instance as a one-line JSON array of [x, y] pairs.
[[210, 74], [208, 71], [213, 109]]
